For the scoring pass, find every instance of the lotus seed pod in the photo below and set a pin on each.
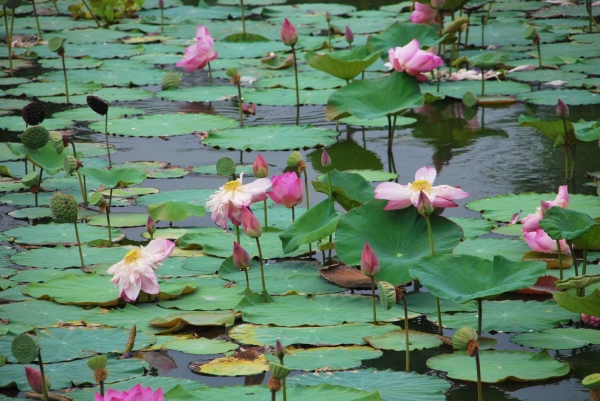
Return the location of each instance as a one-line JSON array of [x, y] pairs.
[[592, 383], [56, 45], [387, 294], [171, 81], [69, 164], [24, 348], [34, 113], [462, 337], [98, 104], [31, 179], [56, 139], [225, 166], [97, 362], [100, 375], [35, 137], [294, 159], [278, 371], [64, 207], [274, 384]]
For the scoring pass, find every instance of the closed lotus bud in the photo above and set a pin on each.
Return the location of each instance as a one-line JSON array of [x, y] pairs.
[[279, 350], [249, 109], [369, 263], [289, 36], [241, 258], [294, 158], [250, 224], [35, 137], [64, 207], [327, 17], [34, 113], [260, 168], [562, 110], [34, 378], [161, 4], [325, 159], [424, 205], [70, 164], [348, 35], [97, 104], [56, 139], [515, 217], [151, 227]]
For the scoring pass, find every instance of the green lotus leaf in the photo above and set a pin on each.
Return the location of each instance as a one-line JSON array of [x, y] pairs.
[[564, 338], [332, 358], [197, 197], [349, 190], [72, 63], [85, 114], [589, 305], [572, 97], [590, 239], [61, 257], [473, 227], [457, 89], [16, 123], [398, 237], [40, 276], [41, 313], [108, 94], [49, 234], [425, 302], [234, 366], [401, 34], [45, 157], [115, 177], [200, 346], [396, 340], [350, 333], [346, 155], [462, 278], [127, 317], [56, 88], [174, 211], [499, 366], [120, 220], [488, 60], [345, 64], [554, 130], [372, 99], [560, 223], [207, 298], [204, 319]]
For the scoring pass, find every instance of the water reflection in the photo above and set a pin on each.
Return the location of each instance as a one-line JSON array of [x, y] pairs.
[[346, 155]]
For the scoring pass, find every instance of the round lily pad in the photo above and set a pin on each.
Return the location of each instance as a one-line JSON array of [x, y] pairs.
[[331, 358], [201, 346], [396, 340], [120, 220], [55, 233], [60, 257], [41, 313], [571, 97], [85, 114], [235, 366], [567, 338]]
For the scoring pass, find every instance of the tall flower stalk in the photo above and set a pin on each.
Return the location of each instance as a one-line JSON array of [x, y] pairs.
[[57, 45], [369, 265], [260, 169], [253, 229], [199, 55], [562, 111], [289, 36], [236, 80], [100, 106], [242, 260]]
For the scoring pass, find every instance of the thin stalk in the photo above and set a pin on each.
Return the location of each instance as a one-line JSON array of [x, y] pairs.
[[65, 74], [36, 20], [283, 389], [296, 76], [79, 245], [85, 3], [478, 364], [9, 38], [241, 103], [247, 280], [265, 210], [329, 36], [25, 160], [373, 300], [479, 315], [45, 390], [487, 16], [560, 266], [102, 388], [441, 20], [437, 299], [39, 185], [570, 244], [306, 189], [330, 241], [83, 194], [482, 82], [566, 148], [293, 214], [237, 233], [108, 214], [209, 73], [106, 136], [467, 32], [262, 267], [539, 51], [483, 32], [324, 258], [330, 185], [243, 19], [583, 270], [390, 139], [162, 20], [349, 46], [56, 7], [406, 339], [572, 147]]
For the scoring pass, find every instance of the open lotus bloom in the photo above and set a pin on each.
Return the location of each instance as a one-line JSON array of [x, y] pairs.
[[135, 272], [287, 190], [413, 60], [231, 198], [199, 55], [136, 393], [402, 196], [423, 14], [534, 235]]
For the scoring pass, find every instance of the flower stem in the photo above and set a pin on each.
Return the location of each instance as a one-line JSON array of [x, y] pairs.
[[265, 210], [108, 214], [102, 388], [478, 364], [293, 215], [570, 244], [237, 233], [583, 270], [243, 19], [262, 267], [65, 74], [106, 136], [329, 36], [560, 265], [479, 315], [373, 300], [296, 76], [162, 20], [209, 73], [406, 339], [247, 280], [79, 245], [566, 148], [482, 81], [9, 39], [85, 3], [539, 53], [36, 20], [45, 389], [306, 189], [330, 184], [39, 185], [241, 104], [437, 299]]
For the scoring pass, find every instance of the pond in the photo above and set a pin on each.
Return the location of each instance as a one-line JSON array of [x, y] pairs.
[[204, 337]]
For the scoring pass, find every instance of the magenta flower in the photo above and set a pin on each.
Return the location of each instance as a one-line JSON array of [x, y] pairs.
[[199, 55], [348, 35], [287, 190], [423, 14], [150, 226], [369, 263], [250, 224], [591, 320], [260, 168], [325, 159], [534, 235], [241, 258], [136, 393], [402, 196], [413, 60], [289, 35], [562, 110], [424, 205], [34, 378]]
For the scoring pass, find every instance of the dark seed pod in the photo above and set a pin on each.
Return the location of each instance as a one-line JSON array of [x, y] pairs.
[[34, 113], [97, 104]]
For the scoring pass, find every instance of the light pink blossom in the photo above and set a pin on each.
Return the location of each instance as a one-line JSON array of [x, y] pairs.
[[289, 35], [413, 60], [423, 14], [34, 378], [199, 55], [369, 263], [287, 190], [136, 393], [591, 320]]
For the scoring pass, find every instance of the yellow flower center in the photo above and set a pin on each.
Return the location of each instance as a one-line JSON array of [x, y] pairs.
[[233, 185], [421, 185], [133, 256]]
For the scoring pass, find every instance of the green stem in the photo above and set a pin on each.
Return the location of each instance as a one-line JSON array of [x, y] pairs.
[[479, 389], [56, 7], [243, 19], [210, 73], [437, 299], [265, 211], [482, 82], [102, 388], [479, 316], [262, 267], [430, 234], [247, 281], [330, 185], [162, 20], [560, 265], [284, 389], [237, 233], [306, 189], [45, 389], [329, 35], [467, 32], [38, 186], [566, 148], [81, 187], [441, 20], [9, 38], [79, 246], [293, 214], [330, 250], [65, 74], [406, 339], [241, 104], [108, 214], [583, 270], [570, 244], [487, 16], [92, 13], [539, 53], [373, 300], [106, 136], [296, 76], [36, 20]]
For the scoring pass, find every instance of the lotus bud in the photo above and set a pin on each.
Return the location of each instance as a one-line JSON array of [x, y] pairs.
[[250, 224], [150, 227], [98, 365], [260, 168], [97, 104], [289, 36], [64, 207], [34, 378], [590, 320], [348, 35], [279, 350], [325, 159], [515, 217], [293, 159], [592, 383], [34, 113], [562, 110], [369, 263], [56, 139], [327, 17], [35, 137], [437, 4], [424, 205], [161, 4], [241, 258], [249, 109]]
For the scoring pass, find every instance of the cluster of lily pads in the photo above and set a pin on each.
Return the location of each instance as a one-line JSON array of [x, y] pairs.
[[279, 280]]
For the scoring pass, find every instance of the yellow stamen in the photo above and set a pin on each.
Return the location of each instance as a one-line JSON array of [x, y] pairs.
[[232, 185], [133, 256], [421, 185]]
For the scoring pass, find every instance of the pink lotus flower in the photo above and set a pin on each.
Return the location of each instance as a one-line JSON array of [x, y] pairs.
[[402, 196], [348, 35], [562, 110], [199, 55], [135, 272], [289, 35], [136, 393], [591, 320], [423, 14], [325, 159], [369, 263], [413, 60], [260, 168], [250, 224], [424, 205], [34, 378], [534, 235], [228, 201], [287, 190], [241, 258]]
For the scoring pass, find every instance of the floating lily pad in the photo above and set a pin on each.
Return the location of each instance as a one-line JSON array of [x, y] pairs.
[[200, 346], [115, 177], [331, 358], [498, 366], [120, 220], [198, 94], [424, 302], [16, 123], [41, 313], [86, 114], [40, 276], [234, 366], [40, 89], [208, 297], [174, 211], [345, 64], [396, 340], [126, 317], [108, 94], [457, 89], [31, 213], [55, 233], [61, 257], [571, 97], [71, 63], [590, 304], [193, 196], [568, 338], [199, 319], [473, 227], [156, 169]]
